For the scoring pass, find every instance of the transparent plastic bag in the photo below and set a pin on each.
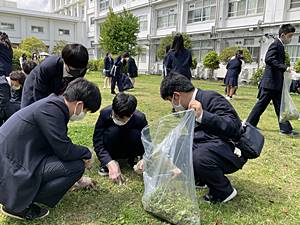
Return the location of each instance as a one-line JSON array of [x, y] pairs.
[[168, 175], [288, 110]]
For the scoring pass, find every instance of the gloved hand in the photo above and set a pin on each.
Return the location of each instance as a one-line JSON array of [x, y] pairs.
[[85, 183]]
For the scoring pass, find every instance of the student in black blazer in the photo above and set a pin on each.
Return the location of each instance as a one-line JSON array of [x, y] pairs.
[[38, 161], [108, 64], [117, 72], [179, 59], [272, 80], [55, 73], [217, 124], [117, 135], [132, 70], [6, 55]]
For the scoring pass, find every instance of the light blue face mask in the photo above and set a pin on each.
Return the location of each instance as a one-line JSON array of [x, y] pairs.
[[178, 107]]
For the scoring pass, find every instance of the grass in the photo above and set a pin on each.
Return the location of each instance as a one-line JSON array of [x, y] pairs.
[[268, 187]]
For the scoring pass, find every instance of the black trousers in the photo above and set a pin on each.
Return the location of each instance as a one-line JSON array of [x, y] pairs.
[[57, 178], [209, 169], [123, 143], [265, 97], [116, 79]]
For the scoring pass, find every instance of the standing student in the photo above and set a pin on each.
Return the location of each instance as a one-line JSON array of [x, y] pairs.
[[55, 73], [179, 59], [132, 70], [117, 72], [270, 87], [234, 68], [22, 60], [4, 99], [38, 161], [108, 64], [117, 135], [6, 55]]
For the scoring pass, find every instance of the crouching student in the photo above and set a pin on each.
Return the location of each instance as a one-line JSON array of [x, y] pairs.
[[38, 161], [117, 135], [217, 123]]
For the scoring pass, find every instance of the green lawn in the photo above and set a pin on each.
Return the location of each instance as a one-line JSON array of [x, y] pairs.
[[268, 187]]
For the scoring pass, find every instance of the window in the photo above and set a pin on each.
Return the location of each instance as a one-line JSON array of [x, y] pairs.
[[167, 17], [63, 32], [7, 26], [92, 20], [245, 7], [143, 23], [201, 10], [36, 29], [294, 52], [92, 43], [119, 2], [201, 48], [75, 12], [69, 12], [143, 58], [295, 4], [82, 11], [104, 4]]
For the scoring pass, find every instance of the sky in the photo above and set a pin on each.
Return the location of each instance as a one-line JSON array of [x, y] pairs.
[[40, 5]]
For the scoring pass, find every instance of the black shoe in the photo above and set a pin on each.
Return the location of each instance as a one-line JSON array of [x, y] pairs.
[[103, 171], [113, 93], [210, 199], [292, 133], [200, 185], [31, 213]]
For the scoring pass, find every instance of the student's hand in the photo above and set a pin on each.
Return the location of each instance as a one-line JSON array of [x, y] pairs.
[[289, 69], [88, 163], [85, 183], [196, 105], [176, 173], [115, 172], [139, 167]]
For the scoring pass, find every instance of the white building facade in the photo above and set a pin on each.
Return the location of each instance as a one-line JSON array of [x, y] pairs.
[[49, 27]]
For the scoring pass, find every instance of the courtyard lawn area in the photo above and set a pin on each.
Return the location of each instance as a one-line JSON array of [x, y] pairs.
[[268, 187]]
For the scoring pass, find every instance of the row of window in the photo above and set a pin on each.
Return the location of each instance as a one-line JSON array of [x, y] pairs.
[[34, 29]]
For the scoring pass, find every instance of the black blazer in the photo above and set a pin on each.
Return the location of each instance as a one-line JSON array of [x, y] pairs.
[[6, 56], [137, 121], [117, 69], [234, 68], [4, 99], [275, 67], [44, 79], [220, 124], [181, 63], [108, 63], [26, 138], [132, 68]]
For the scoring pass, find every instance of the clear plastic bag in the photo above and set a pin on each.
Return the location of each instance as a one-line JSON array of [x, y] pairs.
[[288, 110], [168, 175]]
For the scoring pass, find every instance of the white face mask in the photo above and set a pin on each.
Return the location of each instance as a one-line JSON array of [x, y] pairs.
[[118, 122], [178, 107], [78, 117]]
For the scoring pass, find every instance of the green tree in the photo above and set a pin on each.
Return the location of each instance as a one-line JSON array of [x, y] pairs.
[[211, 61], [287, 59], [168, 41], [58, 47], [228, 53], [257, 76], [118, 32], [297, 66], [33, 44]]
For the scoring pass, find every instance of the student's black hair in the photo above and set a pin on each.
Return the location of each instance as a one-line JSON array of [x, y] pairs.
[[178, 43], [239, 52], [175, 82], [168, 47], [24, 56], [286, 28], [5, 40], [107, 54], [125, 55], [81, 89], [18, 76], [124, 104], [75, 55], [28, 66]]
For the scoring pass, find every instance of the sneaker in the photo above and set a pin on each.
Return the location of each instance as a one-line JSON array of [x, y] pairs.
[[210, 199], [293, 133], [228, 97], [113, 93], [200, 185], [103, 171], [31, 213]]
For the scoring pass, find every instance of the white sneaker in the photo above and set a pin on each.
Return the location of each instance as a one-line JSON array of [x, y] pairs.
[[228, 98], [231, 196]]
